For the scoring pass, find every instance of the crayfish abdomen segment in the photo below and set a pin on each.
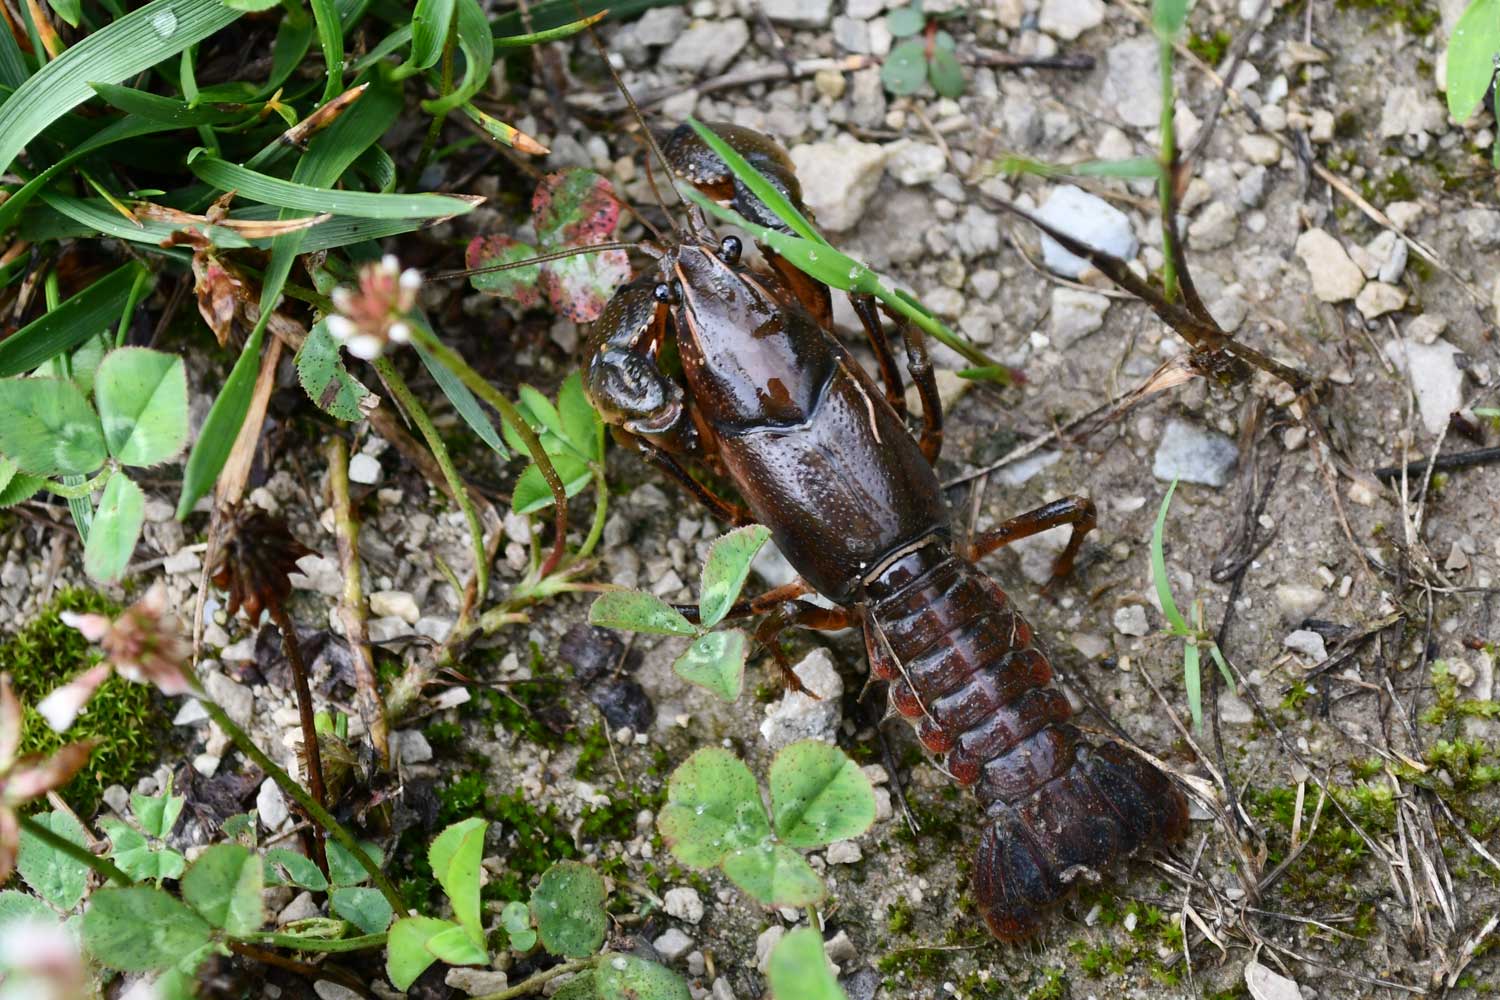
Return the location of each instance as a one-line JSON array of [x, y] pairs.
[[964, 670]]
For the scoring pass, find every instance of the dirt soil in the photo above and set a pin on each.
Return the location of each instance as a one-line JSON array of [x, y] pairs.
[[1352, 844]]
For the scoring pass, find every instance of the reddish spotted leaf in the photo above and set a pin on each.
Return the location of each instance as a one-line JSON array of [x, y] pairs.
[[574, 207], [521, 284], [578, 287]]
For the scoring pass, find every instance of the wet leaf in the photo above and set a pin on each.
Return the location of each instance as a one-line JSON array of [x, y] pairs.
[[775, 875], [1471, 57], [53, 875], [799, 969], [48, 428], [522, 285], [300, 869], [636, 611], [713, 808], [905, 69], [946, 74], [726, 569], [455, 855], [905, 21], [580, 287], [327, 382], [716, 661], [137, 858], [574, 207], [116, 528], [362, 906], [531, 492], [141, 928], [343, 869], [143, 405], [407, 955], [516, 919], [224, 886], [819, 795], [568, 906], [625, 977]]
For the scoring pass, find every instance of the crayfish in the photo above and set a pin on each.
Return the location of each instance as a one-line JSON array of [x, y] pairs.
[[823, 457]]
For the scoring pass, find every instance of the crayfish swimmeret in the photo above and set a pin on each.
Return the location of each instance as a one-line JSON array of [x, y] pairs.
[[823, 458]]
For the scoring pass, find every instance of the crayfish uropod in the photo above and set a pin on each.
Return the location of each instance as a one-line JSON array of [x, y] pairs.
[[825, 460]]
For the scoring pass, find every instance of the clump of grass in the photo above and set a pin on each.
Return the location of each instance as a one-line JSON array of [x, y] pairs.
[[1195, 638], [125, 718]]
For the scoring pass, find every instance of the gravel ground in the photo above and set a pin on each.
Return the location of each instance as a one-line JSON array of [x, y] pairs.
[[1345, 593]]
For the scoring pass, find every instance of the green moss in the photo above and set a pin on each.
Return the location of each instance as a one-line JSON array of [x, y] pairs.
[[1447, 705], [125, 718], [1418, 17], [445, 737], [898, 917], [1054, 986], [1210, 48], [520, 709]]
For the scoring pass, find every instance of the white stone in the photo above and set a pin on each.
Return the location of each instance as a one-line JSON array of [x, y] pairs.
[[1090, 220], [1132, 81], [1075, 314], [673, 945], [327, 989], [913, 163], [1435, 376], [300, 908], [765, 944], [800, 13], [1377, 298], [364, 469], [1234, 710], [1307, 642], [181, 563], [411, 746], [843, 852], [707, 47], [1409, 110], [1427, 328], [684, 904], [1261, 149], [270, 805], [395, 604], [1194, 454], [1214, 227], [1334, 276], [1298, 601], [1264, 984], [1067, 19], [476, 982], [795, 716], [236, 700], [191, 713], [1131, 620], [838, 179]]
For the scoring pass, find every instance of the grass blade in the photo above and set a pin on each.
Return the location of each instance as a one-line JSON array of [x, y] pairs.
[[551, 34], [478, 47], [72, 322], [269, 190], [331, 39], [463, 401], [758, 185], [1193, 682], [136, 42], [430, 22], [1159, 568], [13, 71], [222, 425]]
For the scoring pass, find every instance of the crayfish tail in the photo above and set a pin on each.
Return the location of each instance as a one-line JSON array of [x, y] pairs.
[[1033, 853]]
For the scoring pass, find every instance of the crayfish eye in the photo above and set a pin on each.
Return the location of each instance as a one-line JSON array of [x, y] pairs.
[[730, 250], [665, 292]]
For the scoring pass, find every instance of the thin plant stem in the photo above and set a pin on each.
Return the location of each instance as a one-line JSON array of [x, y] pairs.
[[1168, 163], [296, 943], [312, 754], [414, 409], [352, 602], [314, 809], [601, 510], [508, 412], [534, 983], [82, 489], [436, 128], [103, 866]]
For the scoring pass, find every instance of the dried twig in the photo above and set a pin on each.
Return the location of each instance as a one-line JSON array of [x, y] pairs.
[[352, 601]]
